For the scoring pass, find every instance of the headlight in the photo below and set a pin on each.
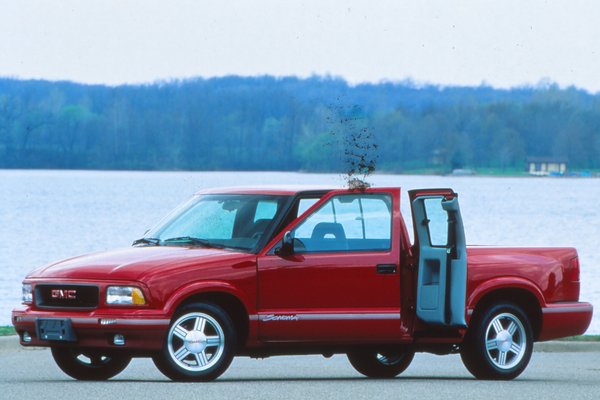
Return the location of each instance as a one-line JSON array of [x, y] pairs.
[[125, 295], [27, 296]]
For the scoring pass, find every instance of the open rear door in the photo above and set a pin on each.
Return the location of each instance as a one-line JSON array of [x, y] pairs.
[[442, 252]]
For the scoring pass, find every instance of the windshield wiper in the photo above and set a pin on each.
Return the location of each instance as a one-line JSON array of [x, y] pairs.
[[152, 241], [193, 240]]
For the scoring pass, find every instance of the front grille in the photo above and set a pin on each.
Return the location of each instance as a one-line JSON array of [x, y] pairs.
[[66, 296]]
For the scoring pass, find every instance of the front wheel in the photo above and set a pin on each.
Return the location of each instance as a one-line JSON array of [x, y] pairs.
[[500, 343], [381, 365], [89, 365], [200, 344]]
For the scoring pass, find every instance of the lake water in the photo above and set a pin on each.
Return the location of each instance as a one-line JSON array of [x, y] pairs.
[[50, 215]]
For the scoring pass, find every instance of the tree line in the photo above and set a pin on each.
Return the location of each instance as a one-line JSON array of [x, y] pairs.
[[267, 123]]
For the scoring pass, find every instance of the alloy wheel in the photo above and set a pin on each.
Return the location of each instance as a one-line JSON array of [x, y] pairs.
[[505, 341], [196, 341]]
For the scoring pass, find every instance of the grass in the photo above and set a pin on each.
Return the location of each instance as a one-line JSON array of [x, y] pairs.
[[7, 330]]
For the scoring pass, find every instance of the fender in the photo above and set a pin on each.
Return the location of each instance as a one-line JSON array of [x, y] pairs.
[[200, 287], [505, 282]]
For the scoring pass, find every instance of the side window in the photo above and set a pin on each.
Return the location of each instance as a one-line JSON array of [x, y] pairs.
[[265, 209], [347, 223], [323, 215], [437, 222], [263, 217], [305, 204], [378, 225]]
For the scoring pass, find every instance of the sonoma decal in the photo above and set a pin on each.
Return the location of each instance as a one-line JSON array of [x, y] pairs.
[[282, 317]]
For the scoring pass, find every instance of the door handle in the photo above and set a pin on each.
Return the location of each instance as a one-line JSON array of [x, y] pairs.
[[386, 268]]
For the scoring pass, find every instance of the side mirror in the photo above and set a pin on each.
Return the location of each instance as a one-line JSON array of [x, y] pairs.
[[287, 245]]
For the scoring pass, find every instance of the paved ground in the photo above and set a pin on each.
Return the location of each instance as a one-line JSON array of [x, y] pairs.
[[562, 375]]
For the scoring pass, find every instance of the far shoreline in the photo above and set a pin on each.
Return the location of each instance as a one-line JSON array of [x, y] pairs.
[[484, 173]]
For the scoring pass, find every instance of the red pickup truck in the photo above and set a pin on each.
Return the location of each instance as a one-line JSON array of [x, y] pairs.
[[287, 270]]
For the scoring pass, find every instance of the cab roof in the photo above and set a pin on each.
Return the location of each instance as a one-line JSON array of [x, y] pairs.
[[284, 190], [269, 189]]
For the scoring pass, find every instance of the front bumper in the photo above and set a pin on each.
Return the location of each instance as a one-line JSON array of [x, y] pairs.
[[143, 330], [561, 320]]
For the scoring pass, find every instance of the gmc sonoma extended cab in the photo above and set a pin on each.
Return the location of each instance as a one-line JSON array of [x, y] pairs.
[[270, 271]]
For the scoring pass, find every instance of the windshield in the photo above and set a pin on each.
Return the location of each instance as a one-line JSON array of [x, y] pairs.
[[218, 220]]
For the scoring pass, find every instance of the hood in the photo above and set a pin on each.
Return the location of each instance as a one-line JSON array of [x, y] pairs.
[[134, 263]]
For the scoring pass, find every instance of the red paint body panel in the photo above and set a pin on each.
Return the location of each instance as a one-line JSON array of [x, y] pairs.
[[171, 272], [543, 272], [144, 329], [565, 319], [329, 284], [540, 270], [326, 298]]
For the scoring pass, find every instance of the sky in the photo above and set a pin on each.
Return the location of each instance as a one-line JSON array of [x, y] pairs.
[[498, 43]]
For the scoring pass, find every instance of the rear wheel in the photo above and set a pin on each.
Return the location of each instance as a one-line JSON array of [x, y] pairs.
[[200, 344], [89, 365], [500, 343], [381, 365]]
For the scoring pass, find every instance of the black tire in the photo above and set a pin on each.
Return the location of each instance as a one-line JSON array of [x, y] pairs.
[[89, 365], [499, 343], [381, 365], [202, 335]]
